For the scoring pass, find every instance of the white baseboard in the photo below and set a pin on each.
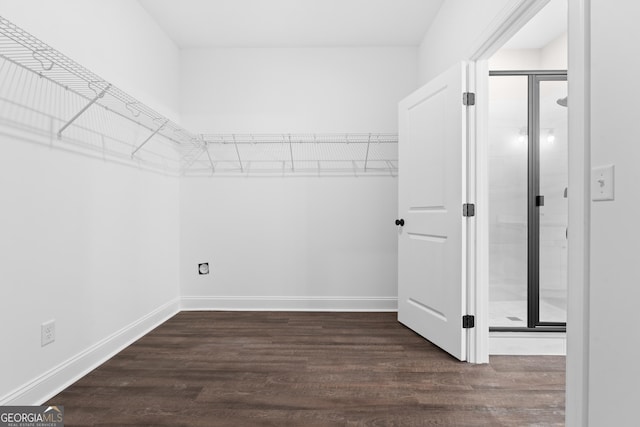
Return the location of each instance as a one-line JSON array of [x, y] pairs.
[[268, 303], [528, 343], [57, 379]]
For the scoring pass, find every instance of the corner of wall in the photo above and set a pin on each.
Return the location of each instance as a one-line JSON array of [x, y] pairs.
[[56, 379]]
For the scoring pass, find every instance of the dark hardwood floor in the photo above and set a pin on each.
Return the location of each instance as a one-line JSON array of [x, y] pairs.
[[308, 369]]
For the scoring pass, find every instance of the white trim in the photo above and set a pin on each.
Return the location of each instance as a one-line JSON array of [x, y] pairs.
[[481, 294], [476, 339], [285, 303], [505, 25], [52, 382], [528, 343], [577, 400]]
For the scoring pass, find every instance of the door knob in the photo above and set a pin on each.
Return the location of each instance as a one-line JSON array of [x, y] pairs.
[[400, 222]]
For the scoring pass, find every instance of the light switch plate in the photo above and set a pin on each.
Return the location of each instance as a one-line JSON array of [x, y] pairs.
[[602, 183]]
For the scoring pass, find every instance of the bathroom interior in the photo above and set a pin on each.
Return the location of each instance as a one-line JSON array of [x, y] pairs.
[[528, 175]]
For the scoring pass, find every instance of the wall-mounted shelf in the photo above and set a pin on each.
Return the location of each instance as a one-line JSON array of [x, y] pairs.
[[285, 154], [47, 98]]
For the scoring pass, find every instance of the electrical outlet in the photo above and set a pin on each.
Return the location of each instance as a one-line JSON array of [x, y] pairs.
[[48, 332], [203, 268]]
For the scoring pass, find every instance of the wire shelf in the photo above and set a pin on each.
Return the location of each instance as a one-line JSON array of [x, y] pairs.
[[48, 98], [286, 154]]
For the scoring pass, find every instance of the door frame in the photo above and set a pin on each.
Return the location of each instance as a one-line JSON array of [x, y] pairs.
[[511, 19]]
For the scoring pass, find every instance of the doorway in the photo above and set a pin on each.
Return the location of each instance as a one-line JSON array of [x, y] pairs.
[[528, 175], [526, 16]]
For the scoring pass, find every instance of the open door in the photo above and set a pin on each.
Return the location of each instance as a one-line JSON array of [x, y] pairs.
[[432, 225]]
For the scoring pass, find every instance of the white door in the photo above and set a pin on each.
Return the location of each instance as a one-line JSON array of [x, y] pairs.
[[432, 190]]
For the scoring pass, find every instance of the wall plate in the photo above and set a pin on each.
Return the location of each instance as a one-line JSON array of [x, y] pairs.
[[48, 332], [602, 183]]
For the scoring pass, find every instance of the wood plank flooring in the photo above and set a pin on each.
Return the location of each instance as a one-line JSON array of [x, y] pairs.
[[308, 369]]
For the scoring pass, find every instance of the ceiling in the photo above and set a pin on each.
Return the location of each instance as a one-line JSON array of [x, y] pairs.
[[293, 23], [543, 28]]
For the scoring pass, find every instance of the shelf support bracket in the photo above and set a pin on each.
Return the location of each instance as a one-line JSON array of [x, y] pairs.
[[391, 167], [206, 148], [149, 137], [237, 152], [291, 154], [366, 159], [79, 113]]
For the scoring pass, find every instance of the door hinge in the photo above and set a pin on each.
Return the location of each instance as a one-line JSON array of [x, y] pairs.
[[468, 209], [468, 321], [468, 98]]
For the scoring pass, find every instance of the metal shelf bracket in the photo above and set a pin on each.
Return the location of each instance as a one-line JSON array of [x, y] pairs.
[[85, 108], [149, 137], [366, 159], [291, 154], [238, 153], [206, 148]]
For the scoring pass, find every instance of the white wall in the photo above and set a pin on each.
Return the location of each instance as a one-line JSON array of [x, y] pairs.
[[116, 39], [515, 59], [553, 56], [615, 230], [90, 244], [296, 89], [298, 243], [292, 242], [455, 33]]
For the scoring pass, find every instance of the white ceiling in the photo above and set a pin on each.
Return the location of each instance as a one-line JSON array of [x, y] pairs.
[[293, 23], [543, 28]]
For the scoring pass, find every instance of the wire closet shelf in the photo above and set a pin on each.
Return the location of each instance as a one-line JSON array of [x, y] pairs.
[[300, 153], [47, 98]]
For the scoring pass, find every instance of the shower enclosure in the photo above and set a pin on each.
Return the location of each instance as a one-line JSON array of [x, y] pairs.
[[528, 174]]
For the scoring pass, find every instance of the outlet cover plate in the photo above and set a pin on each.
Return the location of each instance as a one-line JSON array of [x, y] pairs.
[[602, 183], [48, 332]]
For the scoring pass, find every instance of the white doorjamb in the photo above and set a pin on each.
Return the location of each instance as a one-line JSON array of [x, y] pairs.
[[477, 345], [478, 292], [579, 77]]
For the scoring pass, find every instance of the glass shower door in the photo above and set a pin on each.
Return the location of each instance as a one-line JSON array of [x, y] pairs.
[[528, 212], [553, 211], [508, 222]]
